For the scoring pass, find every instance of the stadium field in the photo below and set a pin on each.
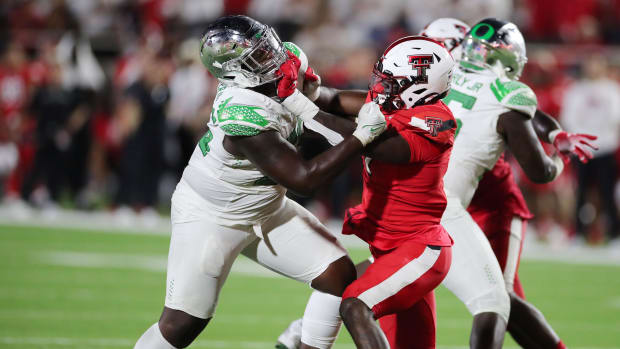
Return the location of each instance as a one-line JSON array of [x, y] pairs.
[[67, 288]]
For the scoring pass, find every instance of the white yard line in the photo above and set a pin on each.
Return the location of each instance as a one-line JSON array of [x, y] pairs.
[[155, 263]]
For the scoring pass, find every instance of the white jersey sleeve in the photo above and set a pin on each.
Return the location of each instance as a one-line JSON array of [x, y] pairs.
[[242, 112], [515, 95]]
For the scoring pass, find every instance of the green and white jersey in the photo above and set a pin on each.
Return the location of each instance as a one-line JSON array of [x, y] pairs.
[[234, 190], [477, 98]]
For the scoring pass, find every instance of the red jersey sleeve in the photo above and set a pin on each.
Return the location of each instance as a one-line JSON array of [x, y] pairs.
[[420, 148], [427, 129]]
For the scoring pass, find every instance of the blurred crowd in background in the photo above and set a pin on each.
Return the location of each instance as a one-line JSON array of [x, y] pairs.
[[102, 101]]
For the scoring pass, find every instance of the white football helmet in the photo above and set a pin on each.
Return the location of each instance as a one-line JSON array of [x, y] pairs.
[[413, 70], [450, 32]]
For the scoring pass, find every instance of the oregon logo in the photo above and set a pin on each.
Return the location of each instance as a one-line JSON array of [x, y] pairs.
[[420, 63], [483, 31]]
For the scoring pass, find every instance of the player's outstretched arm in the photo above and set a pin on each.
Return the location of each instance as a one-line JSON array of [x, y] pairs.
[[280, 161], [389, 147], [341, 102], [544, 124], [518, 131]]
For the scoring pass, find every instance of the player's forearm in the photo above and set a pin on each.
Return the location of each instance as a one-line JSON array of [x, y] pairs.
[[324, 167], [343, 126], [524, 145], [551, 169], [544, 124], [341, 102]]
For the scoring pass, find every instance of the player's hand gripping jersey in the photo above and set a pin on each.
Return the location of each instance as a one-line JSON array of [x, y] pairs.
[[404, 202], [234, 190], [477, 99]]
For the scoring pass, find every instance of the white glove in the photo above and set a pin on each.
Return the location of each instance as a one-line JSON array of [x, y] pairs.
[[300, 106], [370, 123]]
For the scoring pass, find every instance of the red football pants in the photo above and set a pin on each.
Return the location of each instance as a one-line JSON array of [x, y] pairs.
[[400, 283]]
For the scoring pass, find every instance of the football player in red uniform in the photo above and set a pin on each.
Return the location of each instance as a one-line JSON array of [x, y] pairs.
[[403, 198]]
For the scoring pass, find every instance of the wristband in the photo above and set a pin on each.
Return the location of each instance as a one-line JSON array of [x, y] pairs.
[[363, 136], [300, 106], [559, 166], [551, 135]]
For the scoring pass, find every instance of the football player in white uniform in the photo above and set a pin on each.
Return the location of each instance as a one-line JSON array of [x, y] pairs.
[[231, 198], [498, 111]]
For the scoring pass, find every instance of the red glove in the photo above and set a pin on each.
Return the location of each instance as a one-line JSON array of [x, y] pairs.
[[289, 71], [574, 143], [310, 75]]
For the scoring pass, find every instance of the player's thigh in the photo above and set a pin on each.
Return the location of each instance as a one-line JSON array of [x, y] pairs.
[[295, 244], [400, 278], [475, 276], [413, 328], [199, 260]]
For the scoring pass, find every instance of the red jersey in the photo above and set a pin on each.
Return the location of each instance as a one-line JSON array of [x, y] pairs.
[[498, 193], [403, 202]]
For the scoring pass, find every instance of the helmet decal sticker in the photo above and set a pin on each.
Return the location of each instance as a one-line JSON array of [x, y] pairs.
[[420, 63], [476, 31]]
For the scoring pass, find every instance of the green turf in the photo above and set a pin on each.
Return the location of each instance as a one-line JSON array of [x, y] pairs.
[[43, 305]]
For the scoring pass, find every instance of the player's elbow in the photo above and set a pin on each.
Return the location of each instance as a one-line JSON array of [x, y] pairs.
[[545, 175], [302, 187], [540, 179]]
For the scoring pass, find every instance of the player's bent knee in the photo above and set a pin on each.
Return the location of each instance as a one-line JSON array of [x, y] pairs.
[[353, 308], [335, 279], [179, 328]]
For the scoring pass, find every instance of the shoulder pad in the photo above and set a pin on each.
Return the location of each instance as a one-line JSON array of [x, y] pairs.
[[240, 112], [515, 95]]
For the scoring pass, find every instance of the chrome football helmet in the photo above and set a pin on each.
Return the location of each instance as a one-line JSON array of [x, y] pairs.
[[497, 45], [242, 51]]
